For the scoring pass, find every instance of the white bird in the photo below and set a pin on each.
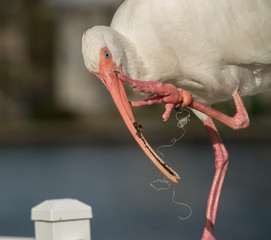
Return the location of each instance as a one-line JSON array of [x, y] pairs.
[[210, 51]]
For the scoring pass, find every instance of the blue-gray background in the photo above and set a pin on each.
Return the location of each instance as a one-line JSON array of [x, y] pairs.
[[115, 180], [62, 137]]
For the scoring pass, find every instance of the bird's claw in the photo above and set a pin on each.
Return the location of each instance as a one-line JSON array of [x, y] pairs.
[[162, 93]]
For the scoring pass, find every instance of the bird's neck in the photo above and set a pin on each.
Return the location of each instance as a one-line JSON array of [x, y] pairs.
[[132, 64]]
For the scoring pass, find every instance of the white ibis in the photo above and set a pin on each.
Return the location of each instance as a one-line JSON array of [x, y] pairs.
[[209, 51]]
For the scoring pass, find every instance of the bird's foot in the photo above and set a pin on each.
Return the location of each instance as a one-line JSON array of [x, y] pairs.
[[162, 93]]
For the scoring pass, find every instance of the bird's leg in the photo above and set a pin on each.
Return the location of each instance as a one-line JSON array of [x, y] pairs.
[[240, 119], [174, 97], [221, 165], [162, 93]]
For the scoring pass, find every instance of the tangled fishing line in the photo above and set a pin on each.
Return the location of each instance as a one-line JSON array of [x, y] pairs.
[[182, 117]]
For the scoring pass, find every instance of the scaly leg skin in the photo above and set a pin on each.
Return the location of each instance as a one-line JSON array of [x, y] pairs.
[[176, 97], [221, 165], [163, 93], [240, 119]]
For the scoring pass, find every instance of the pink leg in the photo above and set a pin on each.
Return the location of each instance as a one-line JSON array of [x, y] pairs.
[[175, 97], [221, 165], [239, 121], [163, 93]]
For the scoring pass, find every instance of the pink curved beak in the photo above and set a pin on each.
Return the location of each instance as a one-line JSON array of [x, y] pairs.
[[117, 91]]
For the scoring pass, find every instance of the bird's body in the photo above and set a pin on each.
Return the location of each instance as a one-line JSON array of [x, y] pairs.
[[212, 50]]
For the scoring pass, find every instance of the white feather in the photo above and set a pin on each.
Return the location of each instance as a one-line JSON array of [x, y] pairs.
[[210, 48]]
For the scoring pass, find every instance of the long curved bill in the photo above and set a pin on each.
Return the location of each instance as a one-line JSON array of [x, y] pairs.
[[117, 91]]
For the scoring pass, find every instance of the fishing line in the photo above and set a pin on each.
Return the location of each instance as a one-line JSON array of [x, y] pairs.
[[162, 180], [182, 117]]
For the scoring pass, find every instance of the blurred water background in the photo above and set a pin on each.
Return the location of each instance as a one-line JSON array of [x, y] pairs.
[[61, 136]]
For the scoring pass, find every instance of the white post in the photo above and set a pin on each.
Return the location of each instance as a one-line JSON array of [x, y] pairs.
[[62, 219]]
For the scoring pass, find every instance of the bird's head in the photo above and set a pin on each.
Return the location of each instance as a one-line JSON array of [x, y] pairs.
[[102, 50], [105, 56]]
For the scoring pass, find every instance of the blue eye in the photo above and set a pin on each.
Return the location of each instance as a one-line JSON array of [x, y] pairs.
[[107, 55]]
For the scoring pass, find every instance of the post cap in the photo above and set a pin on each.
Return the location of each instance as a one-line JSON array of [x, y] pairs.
[[61, 210]]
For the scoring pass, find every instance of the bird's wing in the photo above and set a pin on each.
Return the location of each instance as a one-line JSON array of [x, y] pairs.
[[241, 29], [197, 38]]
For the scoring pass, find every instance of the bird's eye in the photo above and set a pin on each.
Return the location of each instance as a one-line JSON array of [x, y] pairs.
[[107, 55]]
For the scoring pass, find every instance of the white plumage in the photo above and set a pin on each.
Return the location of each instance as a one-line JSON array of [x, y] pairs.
[[210, 48]]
